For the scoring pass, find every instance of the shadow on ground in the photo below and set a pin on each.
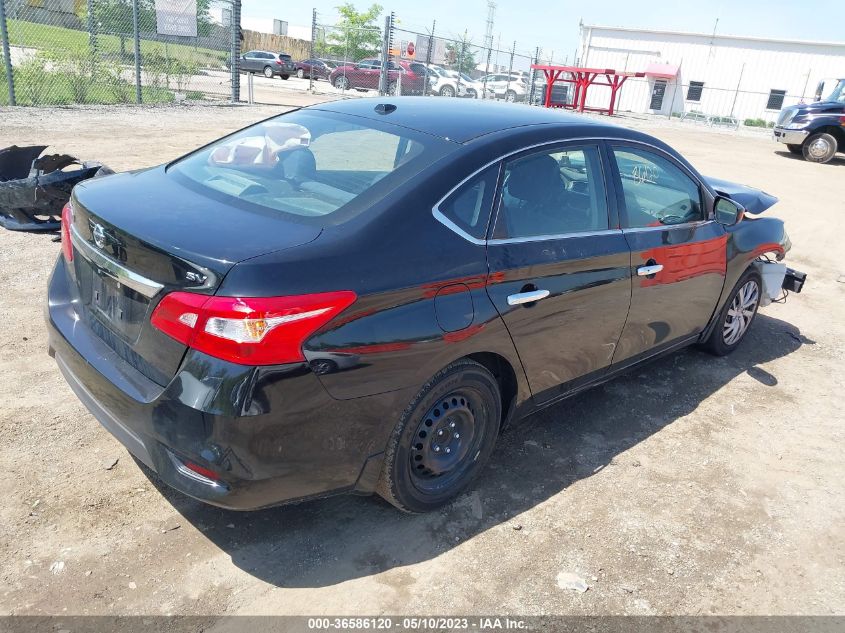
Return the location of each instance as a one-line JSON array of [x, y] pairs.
[[329, 541]]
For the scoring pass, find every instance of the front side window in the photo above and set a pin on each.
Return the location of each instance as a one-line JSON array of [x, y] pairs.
[[552, 193], [310, 164], [656, 191]]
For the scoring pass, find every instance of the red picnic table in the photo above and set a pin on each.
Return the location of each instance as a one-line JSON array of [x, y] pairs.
[[582, 78]]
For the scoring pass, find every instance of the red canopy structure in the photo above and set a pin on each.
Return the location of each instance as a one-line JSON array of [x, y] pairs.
[[582, 79]]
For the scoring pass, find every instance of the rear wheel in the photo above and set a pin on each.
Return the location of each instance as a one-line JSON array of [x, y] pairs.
[[268, 72], [819, 148], [510, 96], [737, 316], [795, 149], [443, 439], [285, 77]]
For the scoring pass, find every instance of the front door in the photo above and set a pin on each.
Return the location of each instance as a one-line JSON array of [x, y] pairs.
[[678, 256], [559, 275], [658, 91]]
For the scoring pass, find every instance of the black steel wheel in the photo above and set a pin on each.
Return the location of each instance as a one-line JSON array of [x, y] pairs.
[[443, 439]]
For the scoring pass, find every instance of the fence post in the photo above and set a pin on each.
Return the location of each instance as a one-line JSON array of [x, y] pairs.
[[137, 34], [235, 51], [311, 52], [510, 67], [92, 31], [7, 56], [531, 88], [428, 60], [736, 92], [387, 44]]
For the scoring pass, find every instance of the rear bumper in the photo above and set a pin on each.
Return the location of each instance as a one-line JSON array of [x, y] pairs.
[[271, 435], [790, 137]]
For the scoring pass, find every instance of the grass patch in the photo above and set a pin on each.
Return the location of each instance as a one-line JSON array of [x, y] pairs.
[[60, 39], [63, 92]]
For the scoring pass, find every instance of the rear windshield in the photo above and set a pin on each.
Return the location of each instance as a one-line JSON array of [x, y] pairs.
[[311, 164], [287, 58]]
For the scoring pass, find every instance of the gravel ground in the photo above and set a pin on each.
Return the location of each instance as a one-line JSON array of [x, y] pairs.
[[694, 485]]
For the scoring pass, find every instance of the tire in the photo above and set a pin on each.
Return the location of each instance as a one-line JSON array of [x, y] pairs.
[[819, 148], [300, 73], [341, 82], [427, 463], [471, 93], [268, 72], [794, 149], [285, 77], [725, 337], [393, 89], [447, 91], [510, 96]]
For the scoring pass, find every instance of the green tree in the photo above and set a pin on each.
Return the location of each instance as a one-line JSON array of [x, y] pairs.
[[356, 34], [460, 56]]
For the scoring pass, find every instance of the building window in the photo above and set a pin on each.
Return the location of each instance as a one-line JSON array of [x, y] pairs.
[[775, 101], [694, 90]]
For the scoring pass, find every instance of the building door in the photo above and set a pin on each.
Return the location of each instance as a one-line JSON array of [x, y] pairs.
[[658, 91]]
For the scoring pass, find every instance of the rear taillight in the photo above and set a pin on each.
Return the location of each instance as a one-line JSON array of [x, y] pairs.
[[248, 330], [67, 220], [279, 62]]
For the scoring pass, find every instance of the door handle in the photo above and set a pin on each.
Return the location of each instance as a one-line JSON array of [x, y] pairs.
[[527, 297], [647, 271]]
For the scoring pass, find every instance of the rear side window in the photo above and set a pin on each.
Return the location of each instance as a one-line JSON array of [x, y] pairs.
[[310, 164], [468, 208], [553, 193]]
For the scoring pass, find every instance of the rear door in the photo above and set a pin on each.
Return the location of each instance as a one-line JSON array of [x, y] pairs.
[[559, 275], [678, 256]]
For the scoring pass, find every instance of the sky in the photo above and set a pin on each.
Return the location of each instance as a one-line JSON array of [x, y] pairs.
[[553, 24]]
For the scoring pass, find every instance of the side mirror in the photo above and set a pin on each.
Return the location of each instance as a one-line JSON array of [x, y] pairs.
[[727, 211]]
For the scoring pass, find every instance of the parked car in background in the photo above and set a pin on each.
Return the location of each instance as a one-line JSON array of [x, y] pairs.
[[316, 68], [815, 130], [366, 73], [359, 295], [268, 64], [506, 87], [474, 88], [445, 82]]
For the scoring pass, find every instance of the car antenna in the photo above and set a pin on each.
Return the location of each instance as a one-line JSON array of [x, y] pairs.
[[385, 108]]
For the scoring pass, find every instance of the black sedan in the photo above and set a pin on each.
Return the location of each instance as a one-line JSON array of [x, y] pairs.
[[358, 296]]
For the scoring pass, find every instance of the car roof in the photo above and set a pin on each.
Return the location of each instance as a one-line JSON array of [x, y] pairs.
[[459, 120]]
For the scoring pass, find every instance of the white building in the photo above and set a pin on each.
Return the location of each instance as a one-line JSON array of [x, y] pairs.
[[719, 75]]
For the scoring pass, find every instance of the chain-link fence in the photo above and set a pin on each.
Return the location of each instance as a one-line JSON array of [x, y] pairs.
[[117, 51]]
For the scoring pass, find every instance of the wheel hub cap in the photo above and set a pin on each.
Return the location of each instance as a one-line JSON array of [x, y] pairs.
[[819, 148], [741, 312], [443, 438]]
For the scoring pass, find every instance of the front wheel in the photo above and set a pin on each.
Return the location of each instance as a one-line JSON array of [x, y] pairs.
[[510, 96], [341, 83], [300, 73], [736, 317], [447, 91], [443, 439], [794, 149], [819, 148]]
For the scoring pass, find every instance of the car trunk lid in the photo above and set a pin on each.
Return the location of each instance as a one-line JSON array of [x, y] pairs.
[[138, 236]]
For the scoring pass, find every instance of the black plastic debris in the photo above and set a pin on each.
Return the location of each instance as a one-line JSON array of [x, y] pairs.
[[33, 190]]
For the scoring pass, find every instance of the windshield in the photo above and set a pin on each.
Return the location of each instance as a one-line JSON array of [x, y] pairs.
[[467, 78], [310, 164], [838, 93]]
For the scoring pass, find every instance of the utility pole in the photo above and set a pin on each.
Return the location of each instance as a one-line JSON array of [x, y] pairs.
[[488, 39]]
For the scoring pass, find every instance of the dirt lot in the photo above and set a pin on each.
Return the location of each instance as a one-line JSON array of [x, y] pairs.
[[695, 485]]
